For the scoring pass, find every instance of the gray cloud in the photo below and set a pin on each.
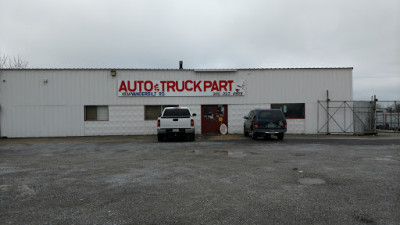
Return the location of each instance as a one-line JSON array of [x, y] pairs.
[[210, 34]]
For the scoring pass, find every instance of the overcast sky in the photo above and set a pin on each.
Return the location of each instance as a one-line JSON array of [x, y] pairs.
[[364, 34]]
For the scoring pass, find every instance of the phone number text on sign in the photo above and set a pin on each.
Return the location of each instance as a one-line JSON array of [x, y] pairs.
[[216, 88]]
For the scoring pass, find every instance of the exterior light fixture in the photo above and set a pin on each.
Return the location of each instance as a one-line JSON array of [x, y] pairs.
[[113, 73]]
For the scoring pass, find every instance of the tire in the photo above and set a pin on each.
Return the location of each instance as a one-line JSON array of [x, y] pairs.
[[160, 137], [253, 135], [192, 137], [246, 134], [280, 136]]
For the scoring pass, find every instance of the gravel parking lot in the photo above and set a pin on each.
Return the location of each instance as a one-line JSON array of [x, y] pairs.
[[214, 180]]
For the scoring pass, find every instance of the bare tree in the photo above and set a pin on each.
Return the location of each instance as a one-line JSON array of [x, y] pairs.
[[7, 62], [3, 61]]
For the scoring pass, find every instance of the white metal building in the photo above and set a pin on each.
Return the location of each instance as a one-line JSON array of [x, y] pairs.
[[86, 102]]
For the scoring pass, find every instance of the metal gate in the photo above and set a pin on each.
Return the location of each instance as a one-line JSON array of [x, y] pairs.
[[358, 117]]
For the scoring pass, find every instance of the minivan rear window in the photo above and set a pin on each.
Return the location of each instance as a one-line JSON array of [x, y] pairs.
[[176, 113], [270, 115]]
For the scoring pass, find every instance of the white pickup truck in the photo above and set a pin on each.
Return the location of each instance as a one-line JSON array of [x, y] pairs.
[[176, 122]]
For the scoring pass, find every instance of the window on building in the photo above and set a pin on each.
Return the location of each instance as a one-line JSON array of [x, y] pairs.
[[291, 110], [96, 113], [152, 112]]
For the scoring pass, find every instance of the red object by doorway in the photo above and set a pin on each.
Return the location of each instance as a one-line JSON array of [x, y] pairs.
[[212, 116]]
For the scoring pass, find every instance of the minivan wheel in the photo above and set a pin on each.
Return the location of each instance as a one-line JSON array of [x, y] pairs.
[[253, 135], [246, 134], [280, 136]]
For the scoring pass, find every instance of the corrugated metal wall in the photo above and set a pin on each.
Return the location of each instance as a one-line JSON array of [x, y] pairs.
[[37, 103]]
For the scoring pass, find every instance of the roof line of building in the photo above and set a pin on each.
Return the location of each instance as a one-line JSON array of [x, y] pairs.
[[196, 70]]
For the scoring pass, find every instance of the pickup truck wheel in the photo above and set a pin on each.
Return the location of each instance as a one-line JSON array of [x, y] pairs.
[[253, 135], [160, 137], [192, 137], [280, 136]]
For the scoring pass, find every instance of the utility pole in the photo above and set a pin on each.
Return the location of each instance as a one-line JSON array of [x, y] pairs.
[[398, 115], [327, 113], [373, 116]]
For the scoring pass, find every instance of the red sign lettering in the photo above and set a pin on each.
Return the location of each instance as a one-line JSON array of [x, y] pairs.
[[181, 88], [129, 86], [148, 86], [122, 87], [162, 84], [230, 84], [223, 84], [197, 86], [170, 86], [207, 84], [186, 85], [215, 86]]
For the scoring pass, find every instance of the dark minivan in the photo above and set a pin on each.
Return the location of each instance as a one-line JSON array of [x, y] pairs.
[[264, 123]]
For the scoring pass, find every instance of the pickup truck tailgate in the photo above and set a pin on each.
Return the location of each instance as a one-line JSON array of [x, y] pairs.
[[175, 123]]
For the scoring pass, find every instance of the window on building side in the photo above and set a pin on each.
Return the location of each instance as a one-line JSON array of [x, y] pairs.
[[291, 110], [152, 112], [96, 113]]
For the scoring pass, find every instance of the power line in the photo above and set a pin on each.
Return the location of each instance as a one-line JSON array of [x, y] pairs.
[[374, 77]]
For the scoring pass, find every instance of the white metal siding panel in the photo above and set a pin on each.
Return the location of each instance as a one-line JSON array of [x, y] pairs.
[[197, 119], [73, 89], [42, 121], [98, 87], [307, 85]]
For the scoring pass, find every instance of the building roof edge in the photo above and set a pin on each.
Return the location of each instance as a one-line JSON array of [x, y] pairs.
[[195, 70]]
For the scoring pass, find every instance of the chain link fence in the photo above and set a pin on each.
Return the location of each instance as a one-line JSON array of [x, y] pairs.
[[358, 117]]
